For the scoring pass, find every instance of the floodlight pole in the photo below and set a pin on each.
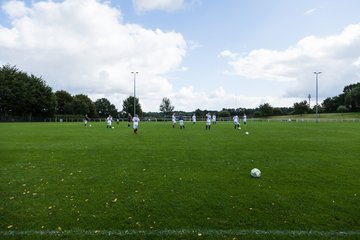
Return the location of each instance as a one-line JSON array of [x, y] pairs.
[[134, 73], [309, 96], [317, 113]]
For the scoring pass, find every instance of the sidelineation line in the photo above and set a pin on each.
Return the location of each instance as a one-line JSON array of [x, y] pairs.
[[179, 232]]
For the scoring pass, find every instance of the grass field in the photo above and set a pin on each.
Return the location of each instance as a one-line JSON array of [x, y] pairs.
[[65, 181]]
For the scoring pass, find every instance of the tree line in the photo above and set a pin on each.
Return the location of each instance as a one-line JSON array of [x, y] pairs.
[[28, 97]]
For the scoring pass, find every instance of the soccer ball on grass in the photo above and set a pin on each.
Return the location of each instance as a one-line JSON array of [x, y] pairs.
[[256, 173]]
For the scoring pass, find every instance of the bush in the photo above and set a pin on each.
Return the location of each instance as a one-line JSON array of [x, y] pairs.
[[342, 109]]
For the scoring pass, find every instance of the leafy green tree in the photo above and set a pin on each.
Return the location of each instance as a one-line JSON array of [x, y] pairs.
[[301, 107], [165, 107], [199, 113], [342, 109], [277, 112], [87, 106], [265, 109], [24, 95], [78, 107], [105, 108], [352, 99], [63, 98], [350, 87], [39, 98], [128, 106], [331, 104], [224, 113], [347, 98]]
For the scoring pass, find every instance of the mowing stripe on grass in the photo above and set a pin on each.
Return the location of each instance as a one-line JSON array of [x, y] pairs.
[[180, 232]]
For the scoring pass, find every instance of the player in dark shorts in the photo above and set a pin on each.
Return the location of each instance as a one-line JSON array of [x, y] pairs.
[[129, 119], [86, 120]]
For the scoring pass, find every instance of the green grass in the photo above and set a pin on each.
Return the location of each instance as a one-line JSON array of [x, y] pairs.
[[65, 177]]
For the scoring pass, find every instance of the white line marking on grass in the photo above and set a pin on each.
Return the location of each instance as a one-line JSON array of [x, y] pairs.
[[179, 232]]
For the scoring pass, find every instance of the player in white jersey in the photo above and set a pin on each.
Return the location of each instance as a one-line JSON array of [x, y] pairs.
[[109, 121], [193, 118], [136, 121], [86, 120], [173, 118], [236, 122], [244, 119], [208, 121], [214, 119]]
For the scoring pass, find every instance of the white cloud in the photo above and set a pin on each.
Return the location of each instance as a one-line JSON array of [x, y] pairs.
[[219, 98], [356, 63], [15, 9], [82, 46], [201, 100], [310, 11], [336, 56], [165, 5], [229, 54], [193, 45]]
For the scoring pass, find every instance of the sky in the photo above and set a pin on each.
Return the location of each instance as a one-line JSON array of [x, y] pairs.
[[204, 54]]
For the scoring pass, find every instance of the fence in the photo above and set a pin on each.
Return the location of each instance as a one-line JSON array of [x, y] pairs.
[[186, 118]]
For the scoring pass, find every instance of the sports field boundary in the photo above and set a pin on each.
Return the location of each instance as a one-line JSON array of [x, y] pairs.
[[181, 232]]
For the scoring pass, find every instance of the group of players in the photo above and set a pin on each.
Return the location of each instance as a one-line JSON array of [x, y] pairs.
[[209, 120], [135, 120]]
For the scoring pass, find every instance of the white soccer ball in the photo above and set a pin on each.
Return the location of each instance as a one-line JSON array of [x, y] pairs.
[[113, 127], [90, 125], [256, 173], [247, 133]]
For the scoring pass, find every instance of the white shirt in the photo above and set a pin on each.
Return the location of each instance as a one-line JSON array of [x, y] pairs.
[[136, 121], [208, 118], [109, 120], [194, 118], [236, 119]]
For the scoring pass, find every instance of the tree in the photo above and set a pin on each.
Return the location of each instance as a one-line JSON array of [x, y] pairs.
[[342, 109], [349, 98], [224, 113], [82, 104], [332, 104], [85, 99], [128, 106], [277, 112], [165, 107], [232, 111], [105, 108], [348, 88], [24, 95], [352, 99], [301, 107], [199, 113], [265, 109], [78, 107], [63, 98]]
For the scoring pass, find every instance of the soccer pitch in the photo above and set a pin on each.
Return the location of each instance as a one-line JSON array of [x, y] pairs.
[[67, 181]]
